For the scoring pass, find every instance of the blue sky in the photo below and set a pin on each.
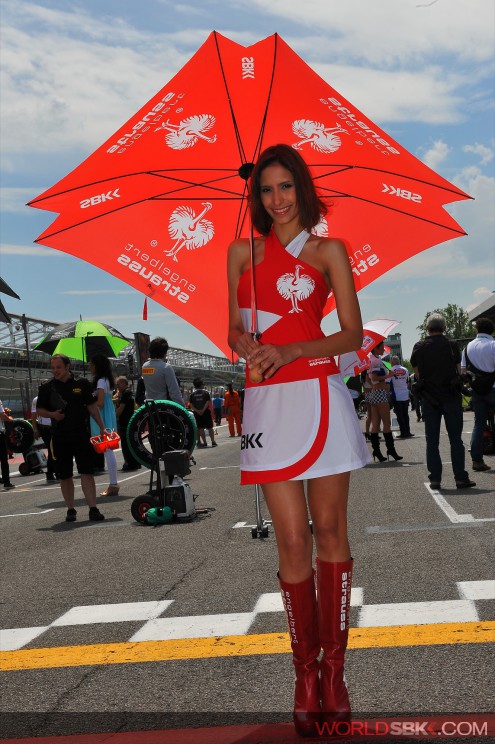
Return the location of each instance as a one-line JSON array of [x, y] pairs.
[[74, 72]]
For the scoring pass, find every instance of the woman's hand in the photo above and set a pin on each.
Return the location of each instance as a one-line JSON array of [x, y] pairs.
[[246, 345], [268, 358]]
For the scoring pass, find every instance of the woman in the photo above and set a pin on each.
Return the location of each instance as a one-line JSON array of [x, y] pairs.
[[380, 405], [103, 385], [305, 430]]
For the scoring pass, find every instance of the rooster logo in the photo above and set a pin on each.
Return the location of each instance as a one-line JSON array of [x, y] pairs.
[[189, 230], [295, 287], [188, 131], [321, 229], [321, 138]]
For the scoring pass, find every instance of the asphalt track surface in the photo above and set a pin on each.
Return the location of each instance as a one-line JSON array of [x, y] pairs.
[[117, 632]]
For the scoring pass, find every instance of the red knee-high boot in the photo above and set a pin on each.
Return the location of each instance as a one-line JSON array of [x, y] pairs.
[[300, 606], [333, 581]]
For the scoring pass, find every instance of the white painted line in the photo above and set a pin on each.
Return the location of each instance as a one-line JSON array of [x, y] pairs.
[[449, 510], [417, 613], [26, 514], [222, 467], [196, 626], [476, 589], [269, 602], [112, 613], [272, 601], [13, 639], [238, 525], [357, 596]]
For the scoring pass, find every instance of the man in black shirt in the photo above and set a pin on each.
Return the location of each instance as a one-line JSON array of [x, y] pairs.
[[124, 412], [67, 402], [436, 362], [201, 406]]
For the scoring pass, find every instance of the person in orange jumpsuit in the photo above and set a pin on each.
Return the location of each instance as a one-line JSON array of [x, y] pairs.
[[233, 410]]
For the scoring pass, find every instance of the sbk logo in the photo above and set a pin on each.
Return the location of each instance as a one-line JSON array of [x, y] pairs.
[[401, 193], [247, 68], [99, 199], [251, 440]]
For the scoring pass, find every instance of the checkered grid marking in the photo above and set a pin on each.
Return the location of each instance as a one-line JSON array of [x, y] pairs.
[[158, 628]]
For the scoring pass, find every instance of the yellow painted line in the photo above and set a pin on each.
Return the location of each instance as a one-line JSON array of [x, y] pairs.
[[241, 645]]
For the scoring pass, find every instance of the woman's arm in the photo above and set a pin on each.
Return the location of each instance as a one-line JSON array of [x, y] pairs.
[[237, 262], [100, 397], [334, 261], [95, 413]]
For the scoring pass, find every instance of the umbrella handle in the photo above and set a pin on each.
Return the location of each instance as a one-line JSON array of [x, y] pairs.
[[255, 373]]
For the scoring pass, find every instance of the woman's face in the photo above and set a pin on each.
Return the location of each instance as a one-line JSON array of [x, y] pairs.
[[278, 194], [378, 350]]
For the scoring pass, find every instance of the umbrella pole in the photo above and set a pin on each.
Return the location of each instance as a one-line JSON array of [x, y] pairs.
[[261, 529]]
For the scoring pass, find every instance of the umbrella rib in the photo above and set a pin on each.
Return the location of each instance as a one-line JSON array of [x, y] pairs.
[[129, 175], [340, 167], [257, 149], [342, 195], [343, 167], [159, 197], [240, 146]]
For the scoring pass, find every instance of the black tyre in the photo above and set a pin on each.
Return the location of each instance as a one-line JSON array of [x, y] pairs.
[[24, 468], [140, 506], [175, 429], [19, 434]]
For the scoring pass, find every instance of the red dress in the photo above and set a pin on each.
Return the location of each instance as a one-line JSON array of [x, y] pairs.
[[300, 423]]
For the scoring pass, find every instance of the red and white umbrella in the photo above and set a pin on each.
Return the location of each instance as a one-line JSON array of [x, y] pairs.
[[374, 331], [159, 202]]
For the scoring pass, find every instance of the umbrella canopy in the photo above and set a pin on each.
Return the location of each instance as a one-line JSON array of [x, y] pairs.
[[82, 339], [374, 331], [5, 289], [159, 202]]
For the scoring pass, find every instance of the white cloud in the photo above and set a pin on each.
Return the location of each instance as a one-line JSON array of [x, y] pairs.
[[398, 95], [437, 153], [98, 292], [481, 293], [390, 31], [444, 261], [9, 249], [15, 199], [478, 217], [66, 87], [485, 153], [70, 84]]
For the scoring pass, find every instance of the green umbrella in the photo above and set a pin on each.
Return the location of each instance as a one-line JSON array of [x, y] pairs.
[[82, 339]]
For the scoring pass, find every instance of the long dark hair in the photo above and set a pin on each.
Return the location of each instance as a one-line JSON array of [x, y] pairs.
[[103, 368], [311, 207]]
